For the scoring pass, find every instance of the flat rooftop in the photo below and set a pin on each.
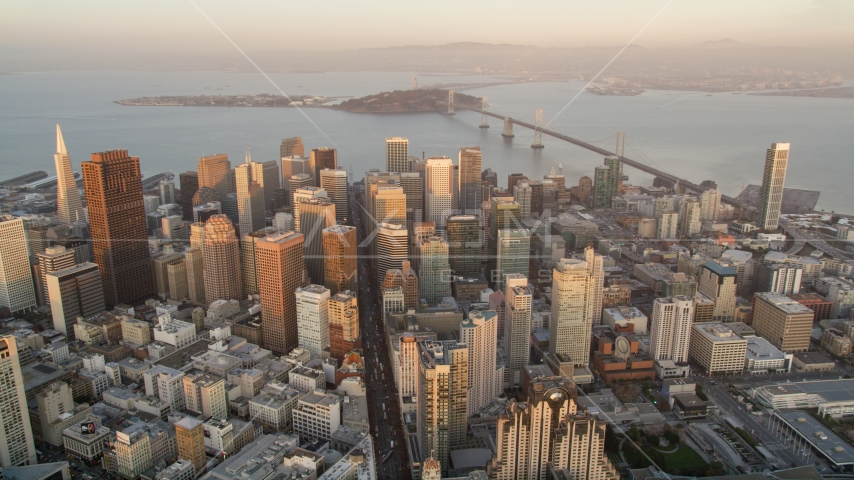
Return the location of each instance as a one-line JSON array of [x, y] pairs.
[[758, 349], [183, 358], [719, 269], [820, 437], [783, 302], [717, 332], [812, 358], [829, 390]]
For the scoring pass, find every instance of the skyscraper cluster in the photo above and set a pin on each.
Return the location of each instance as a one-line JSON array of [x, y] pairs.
[[258, 313]]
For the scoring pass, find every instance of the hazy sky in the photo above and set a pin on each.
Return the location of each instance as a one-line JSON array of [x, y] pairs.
[[93, 26]]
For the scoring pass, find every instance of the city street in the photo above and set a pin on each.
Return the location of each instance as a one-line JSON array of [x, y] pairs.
[[801, 237], [79, 469], [383, 409]]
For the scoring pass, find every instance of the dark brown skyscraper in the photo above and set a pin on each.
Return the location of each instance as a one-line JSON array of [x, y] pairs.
[[339, 258], [113, 185], [292, 147], [323, 157], [189, 185], [513, 178]]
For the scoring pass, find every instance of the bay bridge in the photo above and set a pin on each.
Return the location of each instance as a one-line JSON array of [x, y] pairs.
[[539, 131]]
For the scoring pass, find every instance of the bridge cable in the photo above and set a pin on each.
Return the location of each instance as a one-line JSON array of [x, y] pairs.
[[602, 140], [646, 158]]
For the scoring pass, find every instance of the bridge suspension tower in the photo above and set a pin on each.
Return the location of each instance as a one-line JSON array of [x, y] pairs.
[[620, 150], [450, 102], [484, 105], [538, 130]]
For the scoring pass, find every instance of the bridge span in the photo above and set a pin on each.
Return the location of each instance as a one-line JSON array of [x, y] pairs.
[[690, 186]]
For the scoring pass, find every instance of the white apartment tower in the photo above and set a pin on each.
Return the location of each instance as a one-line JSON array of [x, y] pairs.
[[439, 191], [710, 200], [667, 225], [670, 334], [773, 180], [313, 319], [69, 208], [397, 155], [517, 326], [690, 213], [16, 434], [576, 306], [16, 277], [478, 333], [407, 372]]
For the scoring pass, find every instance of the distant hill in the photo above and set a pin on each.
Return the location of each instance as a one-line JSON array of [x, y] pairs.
[[700, 60], [723, 43], [405, 101]]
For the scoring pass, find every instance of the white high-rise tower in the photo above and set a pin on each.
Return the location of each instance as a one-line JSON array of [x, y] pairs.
[[16, 434], [397, 155], [478, 333], [773, 179], [576, 306], [313, 319], [670, 334], [439, 190], [69, 208]]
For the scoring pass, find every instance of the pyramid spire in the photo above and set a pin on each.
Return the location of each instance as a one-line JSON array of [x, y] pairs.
[[69, 207], [60, 142]]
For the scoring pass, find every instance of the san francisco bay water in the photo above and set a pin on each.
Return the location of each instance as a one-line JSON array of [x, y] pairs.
[[722, 137]]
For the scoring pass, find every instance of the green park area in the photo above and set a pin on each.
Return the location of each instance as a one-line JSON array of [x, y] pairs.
[[676, 459]]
